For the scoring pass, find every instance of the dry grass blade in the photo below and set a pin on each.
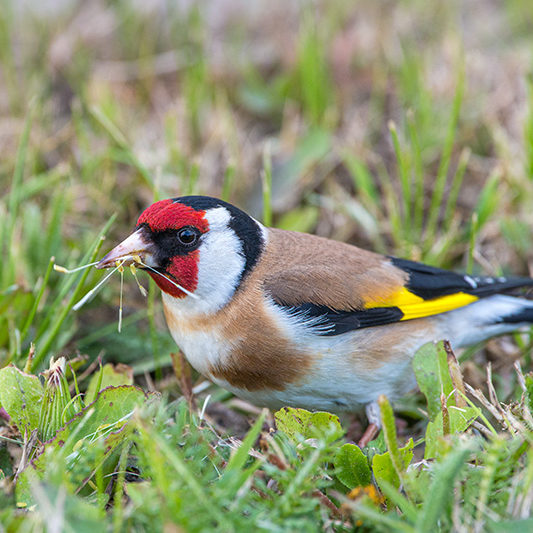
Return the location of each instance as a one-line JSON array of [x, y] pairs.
[[456, 375], [63, 270], [182, 370], [514, 425], [133, 271], [480, 397], [94, 290]]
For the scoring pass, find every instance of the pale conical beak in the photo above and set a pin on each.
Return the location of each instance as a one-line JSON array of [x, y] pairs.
[[136, 246]]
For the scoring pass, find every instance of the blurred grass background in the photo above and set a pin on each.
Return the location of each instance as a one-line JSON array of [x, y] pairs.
[[401, 126]]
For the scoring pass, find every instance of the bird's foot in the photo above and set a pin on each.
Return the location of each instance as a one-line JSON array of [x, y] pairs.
[[374, 424], [370, 434]]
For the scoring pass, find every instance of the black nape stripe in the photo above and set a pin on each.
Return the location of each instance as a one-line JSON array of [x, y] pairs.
[[331, 322], [430, 282], [244, 226]]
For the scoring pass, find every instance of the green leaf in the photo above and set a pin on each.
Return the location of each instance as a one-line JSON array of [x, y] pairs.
[[239, 458], [322, 424], [57, 407], [294, 422], [113, 376], [107, 414], [460, 420], [351, 466], [105, 420], [383, 467], [21, 395], [430, 365]]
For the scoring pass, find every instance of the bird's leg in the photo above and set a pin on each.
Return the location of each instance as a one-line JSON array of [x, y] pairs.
[[374, 424]]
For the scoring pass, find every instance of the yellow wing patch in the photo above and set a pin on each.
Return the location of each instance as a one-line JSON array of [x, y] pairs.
[[412, 306]]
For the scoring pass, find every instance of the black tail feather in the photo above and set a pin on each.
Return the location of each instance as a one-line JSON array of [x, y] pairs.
[[523, 316]]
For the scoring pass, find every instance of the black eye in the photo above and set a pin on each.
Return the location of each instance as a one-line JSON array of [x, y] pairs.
[[188, 236]]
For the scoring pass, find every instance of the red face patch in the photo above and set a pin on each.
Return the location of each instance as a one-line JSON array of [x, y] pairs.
[[183, 269], [166, 214]]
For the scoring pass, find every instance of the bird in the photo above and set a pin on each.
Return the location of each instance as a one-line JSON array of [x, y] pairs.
[[282, 318]]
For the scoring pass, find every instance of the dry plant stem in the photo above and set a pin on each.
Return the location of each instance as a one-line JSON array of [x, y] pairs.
[[482, 429], [29, 361], [133, 271], [476, 393], [243, 405], [63, 270], [90, 369], [236, 443], [182, 370], [280, 457], [512, 422], [520, 375], [276, 461], [525, 410], [505, 418], [149, 381], [27, 449], [93, 291], [121, 270], [445, 415], [456, 375], [324, 500]]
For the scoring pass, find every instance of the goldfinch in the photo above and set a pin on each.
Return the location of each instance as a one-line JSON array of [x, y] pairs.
[[281, 318]]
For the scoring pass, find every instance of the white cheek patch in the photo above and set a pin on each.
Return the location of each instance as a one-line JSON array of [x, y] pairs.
[[218, 218], [220, 266]]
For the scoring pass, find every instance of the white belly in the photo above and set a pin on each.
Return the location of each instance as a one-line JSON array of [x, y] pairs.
[[333, 389], [352, 369], [338, 381]]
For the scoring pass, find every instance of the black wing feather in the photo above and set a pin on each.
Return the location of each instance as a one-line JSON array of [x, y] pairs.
[[425, 281], [430, 282], [329, 322]]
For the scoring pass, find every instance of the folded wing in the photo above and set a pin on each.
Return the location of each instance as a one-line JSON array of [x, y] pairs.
[[340, 288]]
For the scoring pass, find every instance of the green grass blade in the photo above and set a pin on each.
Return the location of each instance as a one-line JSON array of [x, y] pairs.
[[37, 300], [118, 138], [404, 175], [451, 202], [418, 175], [8, 262], [474, 229], [239, 458], [441, 490], [44, 346], [181, 468], [229, 177], [266, 176], [442, 173]]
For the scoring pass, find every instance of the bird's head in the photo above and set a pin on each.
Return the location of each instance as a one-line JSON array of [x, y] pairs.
[[201, 244]]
